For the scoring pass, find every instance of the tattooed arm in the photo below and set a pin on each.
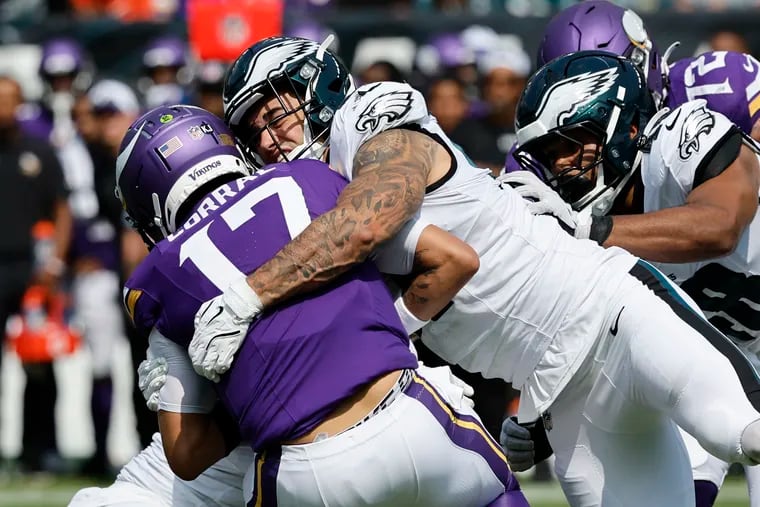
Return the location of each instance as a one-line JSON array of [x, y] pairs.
[[390, 173]]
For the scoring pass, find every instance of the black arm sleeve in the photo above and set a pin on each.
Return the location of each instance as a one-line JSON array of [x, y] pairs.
[[720, 157]]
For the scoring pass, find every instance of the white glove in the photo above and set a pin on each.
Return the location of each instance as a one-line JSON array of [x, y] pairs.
[[541, 199], [221, 324], [583, 224], [151, 377], [457, 391]]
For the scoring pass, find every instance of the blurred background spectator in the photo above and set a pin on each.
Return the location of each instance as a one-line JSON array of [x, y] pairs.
[[381, 70], [504, 72], [209, 86], [447, 101], [33, 190], [103, 116], [724, 40], [167, 72]]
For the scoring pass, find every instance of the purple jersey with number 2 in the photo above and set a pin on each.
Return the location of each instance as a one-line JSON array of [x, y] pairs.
[[727, 80], [301, 359]]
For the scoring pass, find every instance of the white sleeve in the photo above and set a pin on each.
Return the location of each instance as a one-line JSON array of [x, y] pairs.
[[682, 141], [396, 256], [184, 391], [371, 109], [689, 139]]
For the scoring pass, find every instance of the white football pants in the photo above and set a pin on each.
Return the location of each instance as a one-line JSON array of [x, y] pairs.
[[614, 428], [422, 450]]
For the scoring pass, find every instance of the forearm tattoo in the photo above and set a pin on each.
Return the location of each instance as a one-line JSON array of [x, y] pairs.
[[418, 293], [390, 173]]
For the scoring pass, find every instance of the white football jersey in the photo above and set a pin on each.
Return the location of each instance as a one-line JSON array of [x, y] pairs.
[[727, 288], [220, 485], [540, 298]]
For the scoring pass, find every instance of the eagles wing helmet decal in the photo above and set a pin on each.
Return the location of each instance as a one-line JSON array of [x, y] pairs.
[[699, 121], [563, 99], [270, 62], [390, 106], [274, 59]]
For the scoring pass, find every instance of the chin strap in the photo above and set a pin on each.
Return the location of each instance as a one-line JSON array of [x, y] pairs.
[[603, 203]]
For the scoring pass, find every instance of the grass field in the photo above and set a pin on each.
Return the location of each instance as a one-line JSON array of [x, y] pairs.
[[57, 492]]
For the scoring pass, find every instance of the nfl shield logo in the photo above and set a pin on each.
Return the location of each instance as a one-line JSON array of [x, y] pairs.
[[195, 132]]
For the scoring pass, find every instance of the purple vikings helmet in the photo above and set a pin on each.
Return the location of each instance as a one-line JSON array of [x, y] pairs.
[[168, 155], [166, 51], [442, 52], [318, 79], [601, 25], [65, 57]]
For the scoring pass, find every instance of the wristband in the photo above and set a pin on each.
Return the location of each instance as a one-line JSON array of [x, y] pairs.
[[601, 227], [242, 300], [408, 319]]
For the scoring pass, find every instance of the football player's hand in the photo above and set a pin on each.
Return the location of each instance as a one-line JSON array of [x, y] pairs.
[[151, 377], [541, 199], [467, 391], [457, 391], [524, 444], [221, 324]]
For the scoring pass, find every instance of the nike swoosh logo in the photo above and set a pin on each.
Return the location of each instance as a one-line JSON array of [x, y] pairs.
[[614, 328], [674, 121], [121, 160], [362, 93]]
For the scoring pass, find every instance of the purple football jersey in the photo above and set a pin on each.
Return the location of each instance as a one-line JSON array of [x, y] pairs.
[[727, 80], [300, 360]]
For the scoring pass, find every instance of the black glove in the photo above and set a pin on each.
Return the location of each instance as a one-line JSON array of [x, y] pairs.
[[525, 444]]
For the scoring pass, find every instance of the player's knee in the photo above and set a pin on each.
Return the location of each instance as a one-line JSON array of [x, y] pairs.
[[750, 442]]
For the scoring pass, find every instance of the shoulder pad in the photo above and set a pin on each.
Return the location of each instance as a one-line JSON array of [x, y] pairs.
[[682, 139], [372, 109]]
